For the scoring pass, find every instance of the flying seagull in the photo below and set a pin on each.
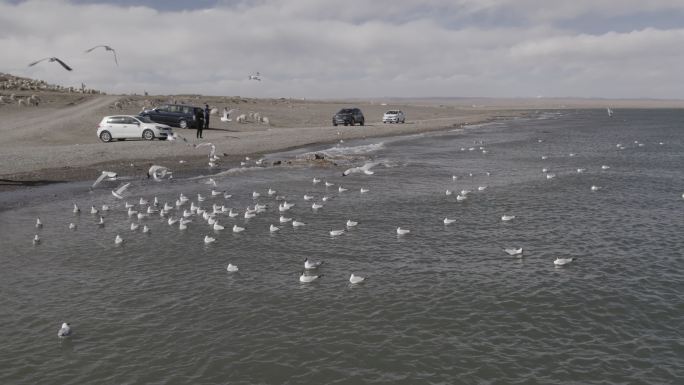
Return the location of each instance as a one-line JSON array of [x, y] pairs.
[[257, 76], [51, 59], [108, 48]]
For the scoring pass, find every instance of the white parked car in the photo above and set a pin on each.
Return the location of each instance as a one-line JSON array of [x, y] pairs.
[[394, 116], [131, 127]]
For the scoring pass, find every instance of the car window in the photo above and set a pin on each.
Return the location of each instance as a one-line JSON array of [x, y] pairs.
[[346, 111], [128, 120], [187, 110], [145, 119], [115, 120]]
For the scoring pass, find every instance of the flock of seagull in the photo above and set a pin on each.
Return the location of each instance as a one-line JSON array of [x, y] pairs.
[[184, 211], [52, 59]]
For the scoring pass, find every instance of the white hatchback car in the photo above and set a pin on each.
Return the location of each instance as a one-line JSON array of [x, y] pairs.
[[131, 127], [394, 116]]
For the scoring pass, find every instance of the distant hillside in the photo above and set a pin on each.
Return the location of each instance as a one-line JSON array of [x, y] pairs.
[[15, 83]]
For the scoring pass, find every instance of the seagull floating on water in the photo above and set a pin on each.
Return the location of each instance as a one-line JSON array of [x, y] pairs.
[[310, 265], [208, 239], [232, 268], [64, 331], [237, 229], [354, 279], [506, 218], [308, 278], [351, 223], [513, 251], [334, 233], [39, 224], [401, 231], [562, 261], [72, 226], [298, 224], [36, 239], [118, 240], [448, 221]]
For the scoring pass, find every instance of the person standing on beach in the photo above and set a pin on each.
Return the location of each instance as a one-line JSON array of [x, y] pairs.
[[207, 112], [199, 118]]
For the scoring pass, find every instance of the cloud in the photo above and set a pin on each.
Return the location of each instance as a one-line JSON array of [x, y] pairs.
[[311, 48]]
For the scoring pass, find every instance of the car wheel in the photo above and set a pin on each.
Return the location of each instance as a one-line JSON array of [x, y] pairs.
[[362, 122], [183, 124], [335, 124], [352, 122], [148, 135], [105, 136], [346, 124]]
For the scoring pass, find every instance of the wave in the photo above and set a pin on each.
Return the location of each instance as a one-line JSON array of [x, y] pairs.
[[346, 152]]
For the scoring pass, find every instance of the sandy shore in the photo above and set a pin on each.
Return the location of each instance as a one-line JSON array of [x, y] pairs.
[[56, 141]]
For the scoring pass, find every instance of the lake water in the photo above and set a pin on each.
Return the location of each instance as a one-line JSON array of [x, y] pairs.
[[443, 304]]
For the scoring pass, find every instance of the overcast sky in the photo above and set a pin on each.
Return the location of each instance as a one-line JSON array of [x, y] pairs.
[[354, 48]]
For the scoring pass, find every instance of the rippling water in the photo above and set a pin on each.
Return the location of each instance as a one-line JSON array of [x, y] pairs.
[[441, 305]]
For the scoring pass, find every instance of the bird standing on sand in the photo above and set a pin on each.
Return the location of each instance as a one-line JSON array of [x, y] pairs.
[[51, 59], [108, 48]]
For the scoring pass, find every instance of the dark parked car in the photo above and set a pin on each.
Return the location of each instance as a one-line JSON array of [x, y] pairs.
[[174, 115], [349, 116]]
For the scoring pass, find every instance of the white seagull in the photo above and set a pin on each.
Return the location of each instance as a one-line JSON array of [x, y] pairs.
[[158, 172], [64, 331], [366, 169], [237, 229], [351, 223], [310, 265], [562, 261], [506, 218], [308, 278], [513, 251], [36, 239], [401, 231], [298, 224], [118, 193], [232, 268], [448, 221], [108, 48], [208, 239], [51, 59], [110, 175], [354, 279], [334, 233], [273, 229], [118, 240], [39, 224], [256, 76]]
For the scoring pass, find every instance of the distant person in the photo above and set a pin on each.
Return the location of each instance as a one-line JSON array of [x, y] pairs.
[[199, 117], [207, 112]]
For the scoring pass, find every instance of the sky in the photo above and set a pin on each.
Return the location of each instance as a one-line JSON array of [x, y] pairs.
[[353, 48]]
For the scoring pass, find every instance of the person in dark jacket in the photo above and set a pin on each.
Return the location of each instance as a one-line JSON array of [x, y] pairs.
[[207, 112], [199, 118]]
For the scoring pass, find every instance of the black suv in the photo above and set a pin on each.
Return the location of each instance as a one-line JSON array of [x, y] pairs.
[[174, 115], [349, 116]]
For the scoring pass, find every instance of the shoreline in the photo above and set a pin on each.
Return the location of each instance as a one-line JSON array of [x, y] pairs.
[[194, 164]]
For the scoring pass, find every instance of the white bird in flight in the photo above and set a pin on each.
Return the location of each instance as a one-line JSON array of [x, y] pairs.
[[118, 193], [51, 59], [108, 48], [110, 175], [366, 169], [256, 76]]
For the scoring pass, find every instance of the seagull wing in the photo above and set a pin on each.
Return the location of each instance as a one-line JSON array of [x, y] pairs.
[[66, 67], [37, 61], [91, 49], [123, 188], [115, 59], [100, 178]]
